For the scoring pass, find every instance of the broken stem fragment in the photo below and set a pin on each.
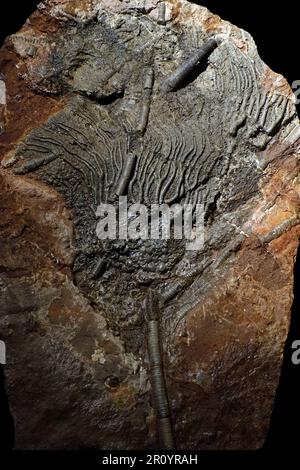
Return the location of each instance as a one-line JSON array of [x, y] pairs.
[[162, 14], [187, 67], [149, 80], [126, 175], [99, 269]]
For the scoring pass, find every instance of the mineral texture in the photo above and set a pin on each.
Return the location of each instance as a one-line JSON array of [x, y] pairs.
[[161, 102]]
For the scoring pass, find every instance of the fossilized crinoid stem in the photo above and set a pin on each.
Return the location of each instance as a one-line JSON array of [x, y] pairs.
[[187, 67], [99, 269], [159, 388], [126, 175], [34, 164], [162, 13], [149, 80]]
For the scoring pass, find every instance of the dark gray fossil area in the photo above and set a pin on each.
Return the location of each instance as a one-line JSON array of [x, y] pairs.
[[162, 102]]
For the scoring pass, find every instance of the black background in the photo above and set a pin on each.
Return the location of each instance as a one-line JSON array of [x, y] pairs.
[[276, 33]]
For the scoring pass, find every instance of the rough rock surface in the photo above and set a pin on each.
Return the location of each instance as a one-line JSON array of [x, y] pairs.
[[73, 99]]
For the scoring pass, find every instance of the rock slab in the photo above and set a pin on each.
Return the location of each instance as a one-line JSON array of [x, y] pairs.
[[83, 85]]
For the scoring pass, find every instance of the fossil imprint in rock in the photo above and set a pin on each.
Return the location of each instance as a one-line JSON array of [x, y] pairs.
[[165, 103]]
